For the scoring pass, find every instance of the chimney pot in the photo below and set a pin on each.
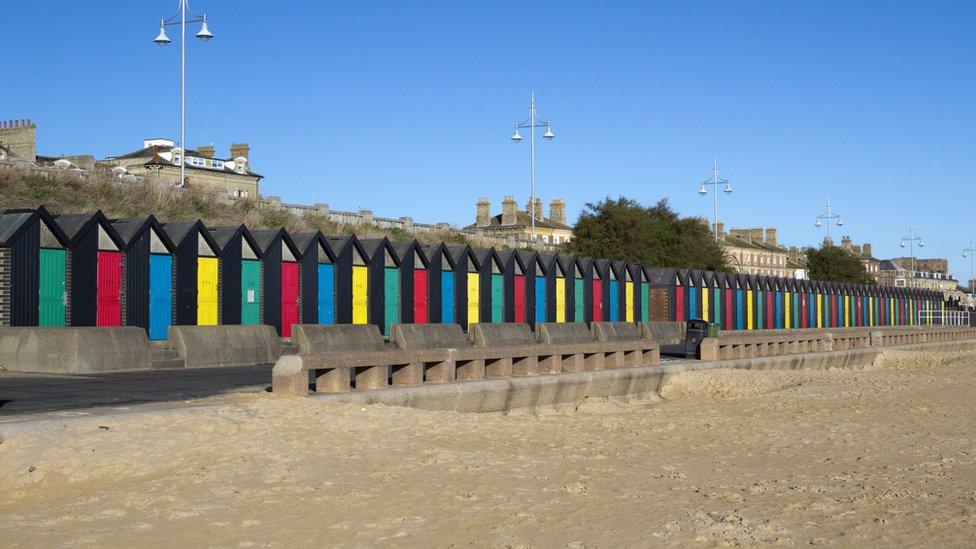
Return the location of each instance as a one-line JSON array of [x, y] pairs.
[[483, 218], [509, 211]]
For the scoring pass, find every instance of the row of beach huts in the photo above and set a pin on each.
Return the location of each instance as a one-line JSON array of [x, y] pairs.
[[88, 270]]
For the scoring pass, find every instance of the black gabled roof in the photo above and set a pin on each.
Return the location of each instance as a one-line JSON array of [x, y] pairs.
[[403, 248], [266, 237], [223, 236], [484, 255], [15, 222], [373, 245], [457, 251], [431, 250], [305, 241], [131, 229], [178, 233], [75, 225]]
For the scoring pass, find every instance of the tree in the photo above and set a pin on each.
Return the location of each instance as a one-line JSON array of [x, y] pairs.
[[836, 265], [655, 236]]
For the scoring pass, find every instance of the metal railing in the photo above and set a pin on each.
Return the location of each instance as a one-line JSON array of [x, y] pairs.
[[945, 318]]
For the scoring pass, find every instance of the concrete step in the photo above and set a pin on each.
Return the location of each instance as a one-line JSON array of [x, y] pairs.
[[289, 349], [164, 354], [167, 363]]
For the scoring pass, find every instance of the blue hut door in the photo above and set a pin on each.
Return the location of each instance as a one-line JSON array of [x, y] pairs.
[[540, 299], [447, 297], [614, 315], [160, 295], [326, 293]]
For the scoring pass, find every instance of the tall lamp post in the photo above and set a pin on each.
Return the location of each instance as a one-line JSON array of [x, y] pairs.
[[829, 216], [714, 182], [532, 123], [970, 252], [911, 239], [180, 18]]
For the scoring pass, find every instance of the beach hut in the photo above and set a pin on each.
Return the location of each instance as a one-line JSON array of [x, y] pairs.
[[624, 291], [280, 276], [148, 260], [640, 292], [414, 282], [239, 276], [384, 283], [491, 283], [441, 284], [513, 270], [558, 292], [95, 270], [318, 278], [33, 268], [536, 288], [662, 282], [352, 280], [575, 288], [196, 282], [740, 287], [467, 282], [593, 291]]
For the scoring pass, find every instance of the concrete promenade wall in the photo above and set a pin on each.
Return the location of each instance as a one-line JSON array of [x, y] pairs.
[[214, 346], [566, 391], [74, 350]]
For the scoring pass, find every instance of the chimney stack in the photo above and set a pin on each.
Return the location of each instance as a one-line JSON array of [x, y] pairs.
[[509, 211], [720, 229], [756, 235], [484, 212], [866, 247], [239, 150], [206, 151], [846, 242], [771, 236], [557, 211], [537, 209]]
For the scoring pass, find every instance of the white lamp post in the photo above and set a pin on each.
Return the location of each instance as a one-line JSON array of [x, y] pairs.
[[970, 252], [180, 18], [532, 123], [829, 216], [912, 238], [714, 182]]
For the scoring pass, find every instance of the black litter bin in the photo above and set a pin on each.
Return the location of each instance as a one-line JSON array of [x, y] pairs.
[[695, 331]]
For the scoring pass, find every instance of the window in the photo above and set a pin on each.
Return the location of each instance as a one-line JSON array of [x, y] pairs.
[[194, 161], [219, 164]]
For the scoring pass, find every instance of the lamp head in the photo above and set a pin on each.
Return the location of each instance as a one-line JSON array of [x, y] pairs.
[[516, 137], [840, 222], [921, 244], [204, 33], [819, 224], [728, 189], [901, 244], [701, 190], [548, 135], [964, 254], [161, 39]]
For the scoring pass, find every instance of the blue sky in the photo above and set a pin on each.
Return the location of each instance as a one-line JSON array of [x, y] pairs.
[[407, 107]]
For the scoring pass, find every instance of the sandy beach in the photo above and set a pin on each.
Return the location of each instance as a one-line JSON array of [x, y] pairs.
[[867, 457]]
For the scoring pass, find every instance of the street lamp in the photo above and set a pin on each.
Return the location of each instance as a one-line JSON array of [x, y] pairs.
[[714, 181], [532, 123], [971, 253], [829, 216], [912, 238], [180, 18]]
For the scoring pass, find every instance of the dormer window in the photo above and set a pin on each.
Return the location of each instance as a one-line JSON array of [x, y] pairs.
[[240, 164], [217, 164], [194, 161]]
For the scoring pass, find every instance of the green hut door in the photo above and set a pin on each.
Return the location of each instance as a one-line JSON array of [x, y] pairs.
[[52, 287], [250, 292], [391, 294], [497, 298]]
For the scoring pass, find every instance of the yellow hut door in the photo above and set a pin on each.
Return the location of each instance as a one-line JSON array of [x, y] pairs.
[[207, 291], [360, 287], [560, 299], [474, 289]]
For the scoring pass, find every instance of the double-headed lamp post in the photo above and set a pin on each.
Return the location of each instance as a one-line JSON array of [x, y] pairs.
[[180, 18], [714, 181], [532, 123], [829, 216], [911, 239], [970, 252]]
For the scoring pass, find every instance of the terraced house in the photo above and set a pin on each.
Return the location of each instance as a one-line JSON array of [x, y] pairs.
[[755, 251]]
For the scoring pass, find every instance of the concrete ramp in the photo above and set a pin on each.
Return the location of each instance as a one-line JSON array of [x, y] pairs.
[[83, 350]]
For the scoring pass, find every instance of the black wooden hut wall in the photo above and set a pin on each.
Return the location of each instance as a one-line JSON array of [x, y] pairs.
[[346, 249], [377, 250], [83, 232], [409, 253], [532, 262], [137, 234], [20, 233], [438, 261], [488, 262]]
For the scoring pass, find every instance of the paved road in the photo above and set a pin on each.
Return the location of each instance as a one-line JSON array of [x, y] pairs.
[[35, 393]]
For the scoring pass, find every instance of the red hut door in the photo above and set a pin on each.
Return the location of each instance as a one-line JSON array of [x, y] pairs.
[[289, 296], [597, 300], [109, 311], [420, 297], [520, 298]]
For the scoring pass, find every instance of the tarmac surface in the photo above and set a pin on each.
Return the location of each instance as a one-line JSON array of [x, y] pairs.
[[22, 394]]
